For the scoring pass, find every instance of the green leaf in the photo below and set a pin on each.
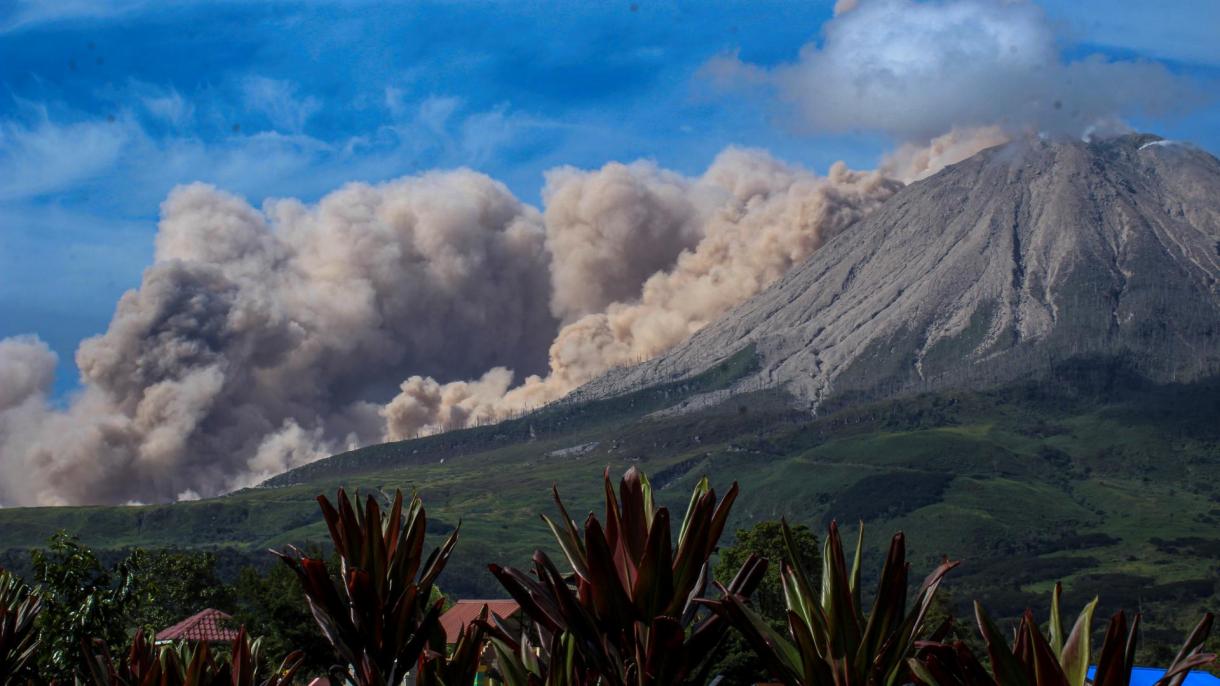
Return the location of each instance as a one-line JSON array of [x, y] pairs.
[[1056, 623], [1004, 665], [1075, 654]]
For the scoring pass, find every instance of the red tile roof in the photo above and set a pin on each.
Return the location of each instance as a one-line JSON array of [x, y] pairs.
[[464, 612], [210, 625]]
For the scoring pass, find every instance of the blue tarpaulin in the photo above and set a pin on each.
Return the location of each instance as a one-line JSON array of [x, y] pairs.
[[1147, 676]]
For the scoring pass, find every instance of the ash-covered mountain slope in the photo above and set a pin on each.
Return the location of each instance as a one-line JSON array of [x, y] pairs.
[[1015, 260]]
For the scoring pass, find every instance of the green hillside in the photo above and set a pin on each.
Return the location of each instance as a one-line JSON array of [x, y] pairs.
[[1089, 476]]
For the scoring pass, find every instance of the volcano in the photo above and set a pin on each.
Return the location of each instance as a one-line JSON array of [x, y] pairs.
[[996, 269]]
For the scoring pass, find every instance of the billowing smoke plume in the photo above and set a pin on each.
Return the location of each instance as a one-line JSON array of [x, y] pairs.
[[754, 218], [262, 339], [27, 368], [912, 162], [610, 230], [257, 339]]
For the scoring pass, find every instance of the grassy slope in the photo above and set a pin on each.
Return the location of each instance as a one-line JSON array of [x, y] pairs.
[[1025, 485]]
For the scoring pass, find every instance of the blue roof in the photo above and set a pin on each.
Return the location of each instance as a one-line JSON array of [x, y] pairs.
[[1147, 676]]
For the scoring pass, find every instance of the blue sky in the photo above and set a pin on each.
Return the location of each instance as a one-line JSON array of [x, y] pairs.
[[106, 106]]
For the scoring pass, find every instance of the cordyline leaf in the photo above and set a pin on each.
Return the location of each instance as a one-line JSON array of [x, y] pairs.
[[463, 660], [437, 561], [1057, 637], [1046, 668], [634, 531], [377, 617], [1133, 637], [329, 611], [690, 605], [806, 605], [691, 557], [1004, 665], [530, 595], [1075, 653], [925, 675], [813, 669], [332, 518], [373, 558], [650, 506], [949, 665], [1190, 655], [411, 555], [798, 591], [856, 564], [19, 607], [611, 604], [720, 517], [782, 659], [838, 601], [1112, 667], [575, 619], [242, 667], [749, 577], [511, 669], [349, 521], [711, 631], [889, 662], [628, 613], [889, 607], [568, 538], [393, 526], [289, 666], [663, 656], [1178, 672], [700, 490], [517, 662], [614, 525], [401, 624], [654, 584]]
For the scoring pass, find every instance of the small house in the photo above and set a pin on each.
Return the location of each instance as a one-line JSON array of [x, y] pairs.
[[208, 626]]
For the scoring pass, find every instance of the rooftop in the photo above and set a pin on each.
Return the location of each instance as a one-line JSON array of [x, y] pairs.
[[212, 626], [464, 612]]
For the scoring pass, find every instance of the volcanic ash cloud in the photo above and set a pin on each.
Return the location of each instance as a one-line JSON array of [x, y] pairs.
[[260, 339], [754, 218], [263, 338]]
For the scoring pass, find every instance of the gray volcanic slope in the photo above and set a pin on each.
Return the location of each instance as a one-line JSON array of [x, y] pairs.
[[1018, 258]]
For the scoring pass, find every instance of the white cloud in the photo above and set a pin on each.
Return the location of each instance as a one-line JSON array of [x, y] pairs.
[[43, 157], [26, 13], [278, 101], [915, 70], [435, 112], [170, 107]]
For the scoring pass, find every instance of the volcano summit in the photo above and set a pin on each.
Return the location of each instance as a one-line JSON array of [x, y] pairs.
[[994, 269]]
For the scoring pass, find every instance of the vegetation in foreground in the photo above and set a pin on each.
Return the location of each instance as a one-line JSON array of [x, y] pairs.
[[634, 611], [630, 614], [1091, 478]]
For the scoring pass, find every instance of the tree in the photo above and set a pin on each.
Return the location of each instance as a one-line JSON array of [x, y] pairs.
[[272, 606], [739, 664], [82, 601], [766, 539], [171, 585]]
